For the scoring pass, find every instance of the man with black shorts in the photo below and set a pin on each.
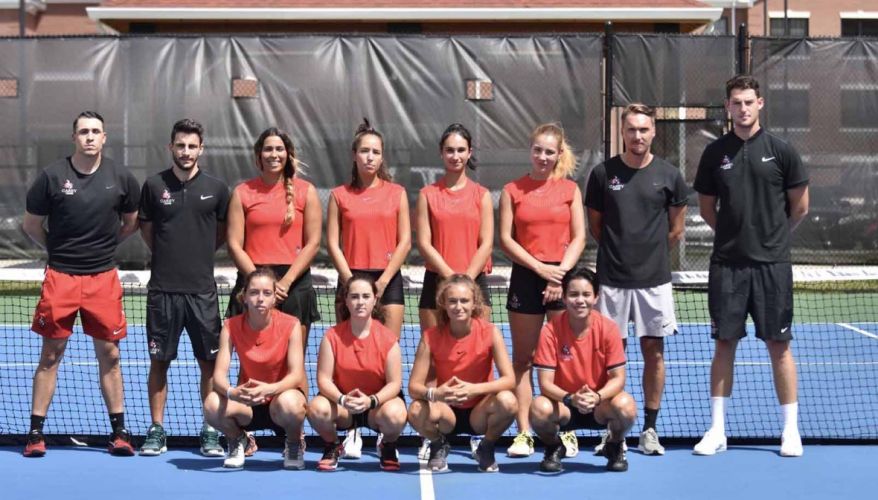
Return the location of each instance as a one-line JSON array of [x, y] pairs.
[[91, 206], [636, 207], [753, 191], [182, 221]]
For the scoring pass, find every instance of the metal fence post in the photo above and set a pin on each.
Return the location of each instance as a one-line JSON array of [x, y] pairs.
[[608, 87], [743, 61]]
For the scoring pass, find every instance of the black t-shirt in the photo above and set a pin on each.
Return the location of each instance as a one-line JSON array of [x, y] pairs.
[[83, 212], [633, 251], [750, 179], [184, 219]]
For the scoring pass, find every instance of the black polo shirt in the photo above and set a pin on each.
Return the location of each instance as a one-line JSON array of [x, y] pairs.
[[750, 178], [84, 213], [633, 250], [184, 219]]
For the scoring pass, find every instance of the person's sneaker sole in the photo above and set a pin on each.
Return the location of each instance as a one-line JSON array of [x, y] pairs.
[[153, 453], [121, 451], [207, 453], [707, 453]]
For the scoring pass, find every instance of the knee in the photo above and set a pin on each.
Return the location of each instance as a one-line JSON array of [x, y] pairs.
[[653, 350], [50, 359], [110, 357], [418, 410], [506, 402], [319, 410], [395, 413], [778, 349], [624, 407], [540, 410], [288, 403]]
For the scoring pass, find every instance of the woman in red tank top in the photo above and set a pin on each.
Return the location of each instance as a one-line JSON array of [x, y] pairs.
[[542, 230], [454, 224], [275, 220], [269, 394], [359, 375], [462, 351], [367, 225]]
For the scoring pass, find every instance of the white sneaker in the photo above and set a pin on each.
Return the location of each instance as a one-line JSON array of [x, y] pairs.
[[712, 443], [571, 444], [378, 441], [605, 435], [522, 445], [791, 444], [294, 456], [474, 445], [352, 445], [424, 450], [649, 443], [235, 458]]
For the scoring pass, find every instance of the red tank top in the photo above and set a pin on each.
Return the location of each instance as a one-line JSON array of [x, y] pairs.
[[470, 358], [266, 241], [369, 220], [455, 220], [263, 353], [541, 216], [360, 363]]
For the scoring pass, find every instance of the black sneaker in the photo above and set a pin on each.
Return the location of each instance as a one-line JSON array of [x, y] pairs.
[[439, 449], [552, 459], [616, 461], [329, 461], [485, 457], [389, 458]]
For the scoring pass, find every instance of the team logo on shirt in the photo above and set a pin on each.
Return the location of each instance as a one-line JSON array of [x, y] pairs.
[[566, 355], [67, 188], [616, 184], [166, 198], [726, 163]]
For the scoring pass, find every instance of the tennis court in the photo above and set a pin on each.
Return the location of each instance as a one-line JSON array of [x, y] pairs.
[[836, 349]]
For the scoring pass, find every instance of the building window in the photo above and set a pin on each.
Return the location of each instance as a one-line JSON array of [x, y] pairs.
[[859, 107], [859, 27], [788, 108], [798, 26]]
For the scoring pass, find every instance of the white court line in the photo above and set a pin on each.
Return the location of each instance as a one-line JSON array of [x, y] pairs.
[[426, 480], [858, 330]]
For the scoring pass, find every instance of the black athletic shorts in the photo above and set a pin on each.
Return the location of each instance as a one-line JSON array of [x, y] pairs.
[[362, 419], [431, 283], [579, 420], [393, 293], [526, 292], [764, 291], [167, 314], [262, 418], [301, 299], [462, 424]]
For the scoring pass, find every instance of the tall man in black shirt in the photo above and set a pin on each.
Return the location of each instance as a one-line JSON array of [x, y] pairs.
[[753, 191], [91, 206], [636, 208], [182, 220]]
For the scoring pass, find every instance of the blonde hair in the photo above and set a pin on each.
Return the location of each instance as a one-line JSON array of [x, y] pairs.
[[566, 165], [479, 309]]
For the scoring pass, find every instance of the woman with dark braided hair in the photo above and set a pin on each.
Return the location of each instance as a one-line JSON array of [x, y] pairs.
[[274, 220]]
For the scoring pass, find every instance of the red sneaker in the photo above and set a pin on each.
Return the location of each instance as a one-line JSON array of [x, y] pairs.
[[120, 443], [329, 461], [36, 445], [389, 457]]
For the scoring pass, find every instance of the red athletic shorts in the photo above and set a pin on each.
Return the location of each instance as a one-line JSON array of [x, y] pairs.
[[97, 298]]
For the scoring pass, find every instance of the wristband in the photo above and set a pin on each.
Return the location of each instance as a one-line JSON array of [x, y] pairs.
[[341, 400], [600, 398], [229, 393], [373, 402], [431, 394], [567, 399]]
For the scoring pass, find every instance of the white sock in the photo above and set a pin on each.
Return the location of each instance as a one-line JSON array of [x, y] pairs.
[[790, 417], [718, 415], [206, 426]]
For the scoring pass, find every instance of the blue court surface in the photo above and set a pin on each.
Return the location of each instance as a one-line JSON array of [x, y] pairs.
[[745, 472], [838, 392]]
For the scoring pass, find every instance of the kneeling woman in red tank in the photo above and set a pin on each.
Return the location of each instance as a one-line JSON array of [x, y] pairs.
[[272, 376], [359, 375], [462, 352]]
